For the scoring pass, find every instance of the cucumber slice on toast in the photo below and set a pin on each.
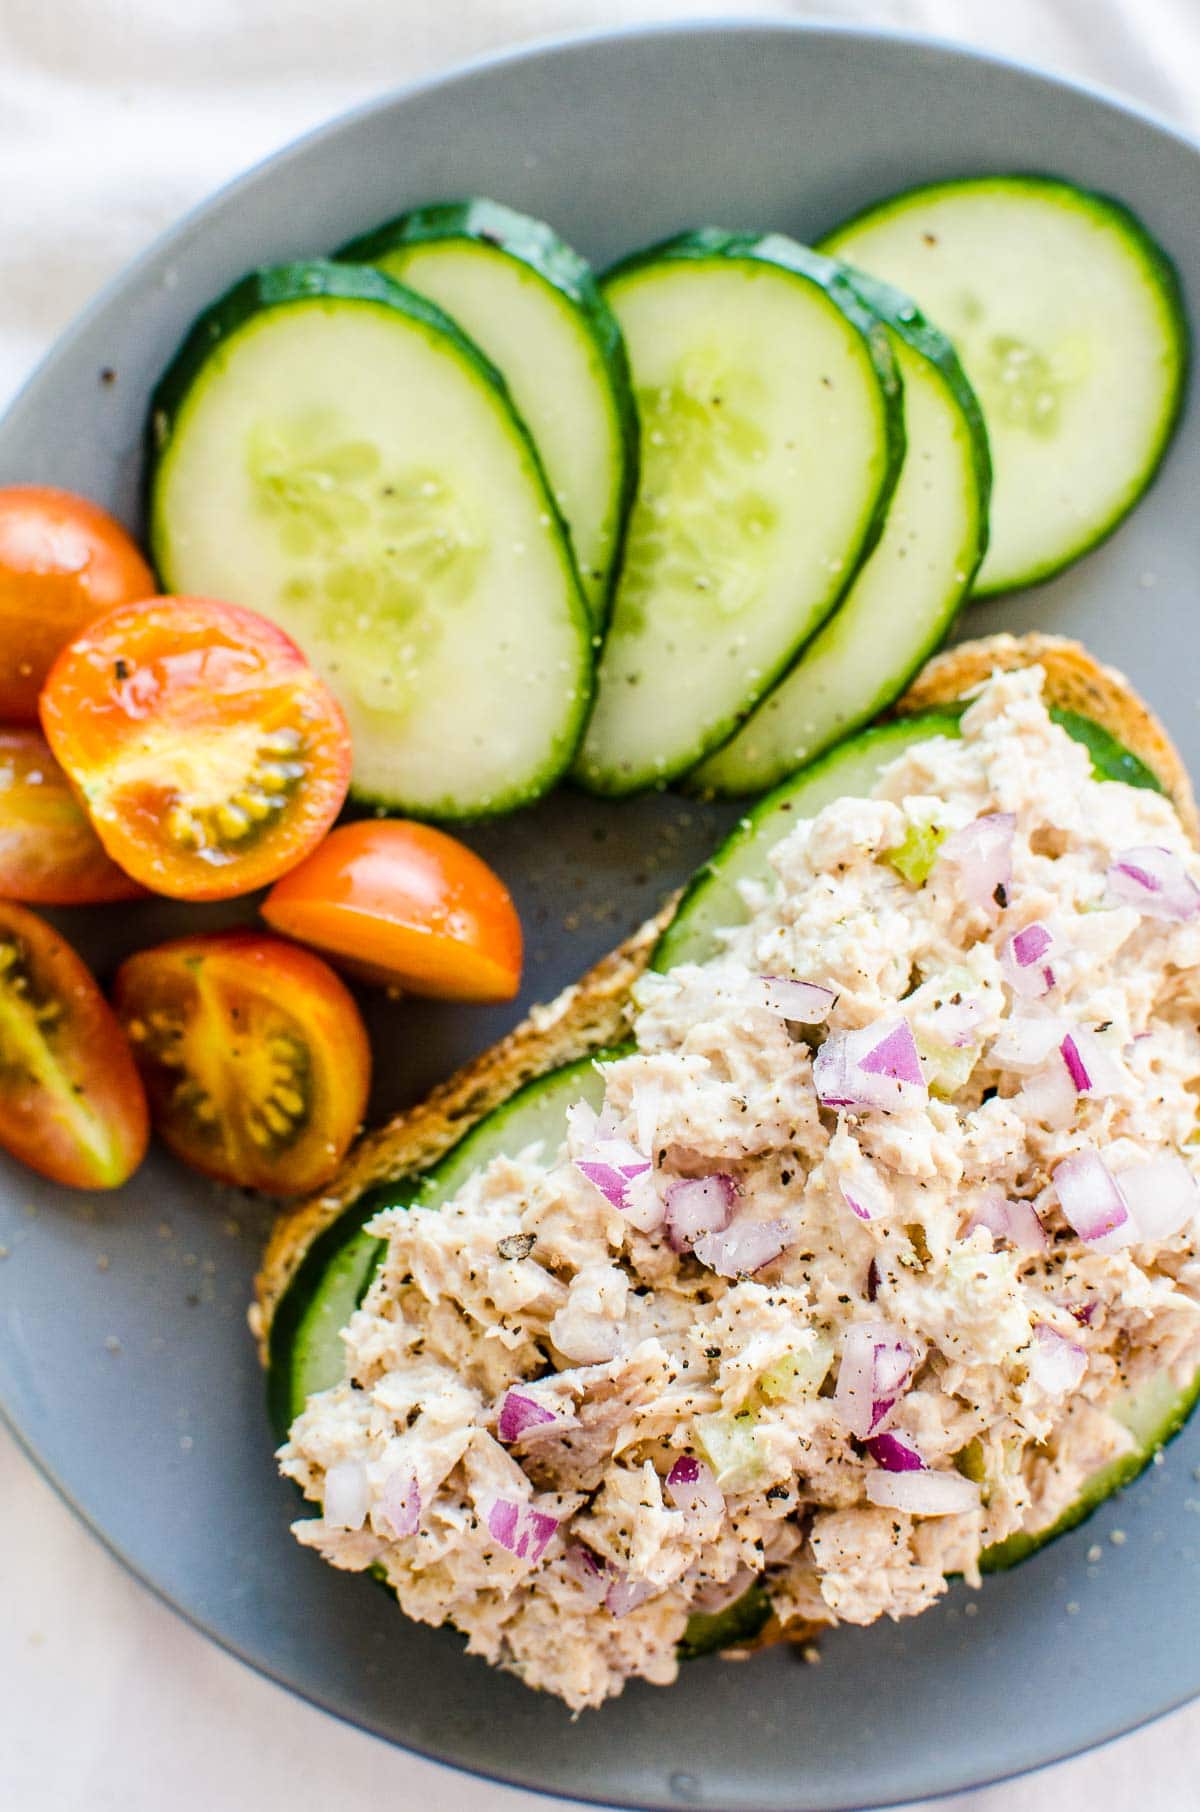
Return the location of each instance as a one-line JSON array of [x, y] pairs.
[[906, 596], [772, 436], [305, 1350], [1070, 322], [332, 450], [532, 305]]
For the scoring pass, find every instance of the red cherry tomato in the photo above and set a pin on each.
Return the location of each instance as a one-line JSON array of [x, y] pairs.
[[254, 1056], [49, 853], [406, 904], [209, 755], [63, 561], [71, 1103]]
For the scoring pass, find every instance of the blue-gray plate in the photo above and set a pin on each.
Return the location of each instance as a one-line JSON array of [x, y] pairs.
[[125, 1363]]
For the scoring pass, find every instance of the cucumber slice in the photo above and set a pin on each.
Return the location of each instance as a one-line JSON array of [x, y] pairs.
[[905, 598], [1070, 322], [305, 1348], [1153, 1415], [532, 305], [712, 900], [772, 435], [707, 1632], [332, 451]]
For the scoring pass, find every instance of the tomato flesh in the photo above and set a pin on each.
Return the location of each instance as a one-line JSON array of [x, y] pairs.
[[404, 904], [71, 1104], [63, 561], [49, 853], [254, 1056], [208, 753]]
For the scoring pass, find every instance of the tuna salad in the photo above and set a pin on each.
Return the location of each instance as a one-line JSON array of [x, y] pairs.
[[885, 1206]]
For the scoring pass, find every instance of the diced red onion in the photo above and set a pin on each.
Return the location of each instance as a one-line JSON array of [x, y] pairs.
[[625, 1595], [1025, 1229], [1014, 1221], [612, 1165], [1155, 882], [805, 1003], [697, 1206], [744, 1248], [1025, 1041], [720, 1594], [346, 1497], [895, 1454], [864, 1192], [1050, 1096], [1091, 1201], [521, 1414], [873, 1375], [589, 1571], [1090, 1066], [956, 1022], [1056, 1363], [1025, 959], [990, 1211], [982, 854], [875, 1067], [923, 1493], [1161, 1196], [692, 1489], [1084, 1314], [644, 1206], [401, 1502], [520, 1528]]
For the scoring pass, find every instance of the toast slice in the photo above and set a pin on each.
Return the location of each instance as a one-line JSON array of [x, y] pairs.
[[592, 1013]]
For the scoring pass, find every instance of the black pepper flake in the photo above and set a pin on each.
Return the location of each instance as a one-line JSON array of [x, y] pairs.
[[107, 375], [516, 1245], [1105, 1026], [120, 670], [1001, 895], [778, 1494], [872, 1281], [989, 1094]]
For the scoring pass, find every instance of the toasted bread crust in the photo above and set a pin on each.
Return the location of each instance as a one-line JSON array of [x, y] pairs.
[[1075, 681], [593, 1012]]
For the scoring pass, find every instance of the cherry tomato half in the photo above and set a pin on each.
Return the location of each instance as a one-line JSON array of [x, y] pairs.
[[254, 1056], [404, 903], [63, 561], [49, 852], [208, 753], [71, 1103]]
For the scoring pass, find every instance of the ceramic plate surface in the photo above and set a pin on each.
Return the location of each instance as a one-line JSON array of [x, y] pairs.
[[125, 1363]]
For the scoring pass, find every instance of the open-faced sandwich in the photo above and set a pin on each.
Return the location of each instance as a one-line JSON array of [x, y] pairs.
[[836, 1236]]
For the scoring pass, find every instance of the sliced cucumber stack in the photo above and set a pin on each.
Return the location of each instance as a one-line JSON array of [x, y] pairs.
[[1070, 322], [333, 451], [532, 305], [772, 436], [904, 599]]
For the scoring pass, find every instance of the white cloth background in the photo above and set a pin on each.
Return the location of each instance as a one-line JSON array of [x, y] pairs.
[[115, 116]]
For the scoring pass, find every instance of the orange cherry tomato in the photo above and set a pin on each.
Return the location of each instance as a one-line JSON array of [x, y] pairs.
[[254, 1056], [63, 561], [49, 853], [209, 755], [71, 1103], [405, 904]]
